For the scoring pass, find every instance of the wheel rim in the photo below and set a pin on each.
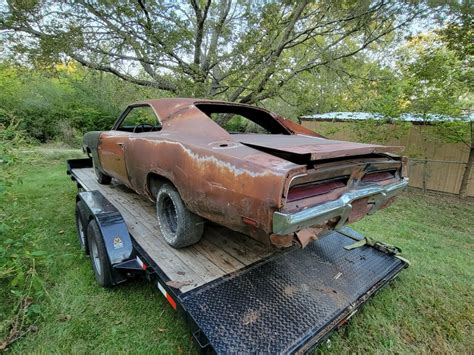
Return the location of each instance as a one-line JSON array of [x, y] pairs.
[[96, 257], [169, 215], [80, 228]]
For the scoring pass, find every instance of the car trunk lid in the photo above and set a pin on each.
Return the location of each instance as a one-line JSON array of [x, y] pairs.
[[303, 149]]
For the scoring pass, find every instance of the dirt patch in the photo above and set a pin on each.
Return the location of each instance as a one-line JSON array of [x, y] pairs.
[[339, 298], [250, 317], [290, 290]]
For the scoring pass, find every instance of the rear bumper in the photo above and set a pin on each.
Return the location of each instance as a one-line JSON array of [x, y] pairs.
[[285, 222]]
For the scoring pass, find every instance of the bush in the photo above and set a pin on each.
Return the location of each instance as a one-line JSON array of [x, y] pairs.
[[64, 103]]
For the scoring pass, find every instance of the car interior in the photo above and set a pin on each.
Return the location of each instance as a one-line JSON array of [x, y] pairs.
[[140, 119]]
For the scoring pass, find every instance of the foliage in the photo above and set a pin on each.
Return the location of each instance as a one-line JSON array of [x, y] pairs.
[[241, 51], [11, 137], [64, 102], [436, 80], [371, 131], [458, 34], [20, 284]]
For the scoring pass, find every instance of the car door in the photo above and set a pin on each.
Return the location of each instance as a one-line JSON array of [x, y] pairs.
[[113, 144]]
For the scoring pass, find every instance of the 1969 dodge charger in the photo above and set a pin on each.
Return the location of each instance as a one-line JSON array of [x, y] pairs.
[[242, 167]]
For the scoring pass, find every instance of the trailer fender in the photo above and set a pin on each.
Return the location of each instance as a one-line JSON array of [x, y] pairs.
[[117, 240]]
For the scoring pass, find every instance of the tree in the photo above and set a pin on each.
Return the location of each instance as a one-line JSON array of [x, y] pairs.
[[458, 36], [239, 50], [438, 80]]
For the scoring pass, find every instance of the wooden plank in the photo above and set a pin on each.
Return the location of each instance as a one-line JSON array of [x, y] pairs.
[[165, 256], [234, 247], [219, 257], [220, 252], [200, 264]]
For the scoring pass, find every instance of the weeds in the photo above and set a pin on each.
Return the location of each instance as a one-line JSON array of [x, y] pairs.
[[21, 286]]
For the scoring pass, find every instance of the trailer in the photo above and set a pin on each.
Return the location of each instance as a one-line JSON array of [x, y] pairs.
[[236, 294]]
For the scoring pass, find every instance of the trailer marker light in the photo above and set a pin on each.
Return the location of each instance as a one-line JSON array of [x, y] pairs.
[[166, 294]]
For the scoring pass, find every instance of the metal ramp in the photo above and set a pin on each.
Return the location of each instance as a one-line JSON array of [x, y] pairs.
[[290, 302]]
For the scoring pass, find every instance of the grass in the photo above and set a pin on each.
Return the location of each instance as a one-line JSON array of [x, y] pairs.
[[427, 309]]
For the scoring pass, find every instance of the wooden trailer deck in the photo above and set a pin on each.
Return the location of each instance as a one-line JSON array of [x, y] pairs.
[[220, 251]]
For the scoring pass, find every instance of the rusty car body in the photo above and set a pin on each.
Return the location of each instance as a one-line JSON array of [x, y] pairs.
[[283, 186]]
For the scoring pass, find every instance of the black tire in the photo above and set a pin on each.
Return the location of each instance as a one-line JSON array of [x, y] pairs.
[[102, 178], [81, 226], [179, 226], [99, 259]]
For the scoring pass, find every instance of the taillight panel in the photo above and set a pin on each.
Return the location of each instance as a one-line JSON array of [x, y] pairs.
[[300, 192], [379, 176]]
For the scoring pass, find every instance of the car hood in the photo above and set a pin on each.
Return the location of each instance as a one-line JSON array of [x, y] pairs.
[[301, 148]]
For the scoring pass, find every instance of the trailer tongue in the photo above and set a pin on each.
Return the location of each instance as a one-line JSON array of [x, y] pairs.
[[238, 296]]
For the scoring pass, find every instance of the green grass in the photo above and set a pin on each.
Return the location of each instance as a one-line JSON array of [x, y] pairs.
[[427, 309]]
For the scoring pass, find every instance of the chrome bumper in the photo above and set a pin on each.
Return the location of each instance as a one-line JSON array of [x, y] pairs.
[[285, 223]]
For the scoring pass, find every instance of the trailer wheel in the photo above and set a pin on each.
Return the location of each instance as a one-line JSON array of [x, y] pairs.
[[98, 255], [179, 226], [81, 226], [102, 178]]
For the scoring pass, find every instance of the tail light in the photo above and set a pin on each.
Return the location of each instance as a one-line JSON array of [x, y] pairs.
[[300, 192], [379, 176]]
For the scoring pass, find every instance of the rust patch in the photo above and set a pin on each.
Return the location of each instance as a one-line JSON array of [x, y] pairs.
[[359, 209], [337, 297], [306, 236], [282, 241]]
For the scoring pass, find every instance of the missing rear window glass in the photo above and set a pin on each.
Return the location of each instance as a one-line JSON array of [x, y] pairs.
[[237, 123], [243, 119]]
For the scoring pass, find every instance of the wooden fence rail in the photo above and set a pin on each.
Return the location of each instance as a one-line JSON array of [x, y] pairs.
[[433, 165]]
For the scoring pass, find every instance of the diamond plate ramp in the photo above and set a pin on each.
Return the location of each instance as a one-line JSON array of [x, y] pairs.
[[289, 301]]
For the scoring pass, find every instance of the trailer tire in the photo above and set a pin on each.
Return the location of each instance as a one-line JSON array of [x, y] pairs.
[[179, 226], [81, 226], [98, 254]]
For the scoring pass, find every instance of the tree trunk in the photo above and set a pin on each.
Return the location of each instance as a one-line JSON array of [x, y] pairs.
[[467, 173]]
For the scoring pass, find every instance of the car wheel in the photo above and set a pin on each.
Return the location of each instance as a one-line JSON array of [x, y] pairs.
[[102, 178], [99, 259], [81, 226], [179, 226]]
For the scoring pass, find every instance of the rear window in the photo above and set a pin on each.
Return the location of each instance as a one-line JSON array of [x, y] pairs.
[[237, 123], [242, 119]]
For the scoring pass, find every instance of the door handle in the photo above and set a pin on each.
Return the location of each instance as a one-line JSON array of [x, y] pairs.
[[120, 145]]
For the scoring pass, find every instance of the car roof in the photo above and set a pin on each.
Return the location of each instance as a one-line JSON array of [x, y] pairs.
[[167, 106]]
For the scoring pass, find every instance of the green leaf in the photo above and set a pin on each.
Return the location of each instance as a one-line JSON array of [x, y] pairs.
[[39, 253]]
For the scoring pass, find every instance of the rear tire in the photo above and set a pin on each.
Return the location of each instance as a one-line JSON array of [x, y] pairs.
[[81, 226], [99, 259], [102, 178], [179, 226]]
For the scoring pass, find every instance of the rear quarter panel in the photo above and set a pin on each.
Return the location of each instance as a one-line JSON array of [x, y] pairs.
[[212, 184]]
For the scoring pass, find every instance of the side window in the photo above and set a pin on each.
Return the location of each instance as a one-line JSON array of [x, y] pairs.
[[140, 119]]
